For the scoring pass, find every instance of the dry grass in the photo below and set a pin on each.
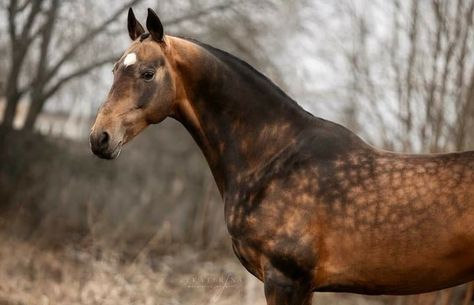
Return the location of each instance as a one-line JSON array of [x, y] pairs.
[[31, 274]]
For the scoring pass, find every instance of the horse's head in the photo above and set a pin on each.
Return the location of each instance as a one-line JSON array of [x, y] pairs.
[[143, 91]]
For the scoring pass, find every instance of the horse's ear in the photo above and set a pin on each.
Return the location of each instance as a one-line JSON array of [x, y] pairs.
[[135, 29], [154, 26]]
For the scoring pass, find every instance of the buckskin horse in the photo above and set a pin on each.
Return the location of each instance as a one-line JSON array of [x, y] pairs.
[[308, 204]]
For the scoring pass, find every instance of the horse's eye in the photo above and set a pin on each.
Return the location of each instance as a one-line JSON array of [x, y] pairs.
[[148, 75]]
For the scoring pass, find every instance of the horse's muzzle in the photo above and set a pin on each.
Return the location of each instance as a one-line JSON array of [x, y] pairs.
[[102, 146]]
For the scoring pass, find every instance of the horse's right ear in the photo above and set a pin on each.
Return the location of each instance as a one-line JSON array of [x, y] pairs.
[[135, 29], [154, 26]]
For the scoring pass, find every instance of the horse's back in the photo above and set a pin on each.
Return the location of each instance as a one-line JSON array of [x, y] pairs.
[[404, 223], [334, 207]]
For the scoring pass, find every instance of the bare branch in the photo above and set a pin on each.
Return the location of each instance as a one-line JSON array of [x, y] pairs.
[[464, 46], [46, 34], [33, 14], [23, 6], [78, 73], [12, 12], [413, 36], [87, 37], [200, 13]]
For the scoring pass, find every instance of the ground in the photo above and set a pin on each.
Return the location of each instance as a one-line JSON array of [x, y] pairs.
[[31, 274]]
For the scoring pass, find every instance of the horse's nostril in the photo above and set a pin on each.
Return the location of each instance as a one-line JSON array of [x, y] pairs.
[[104, 138], [100, 144]]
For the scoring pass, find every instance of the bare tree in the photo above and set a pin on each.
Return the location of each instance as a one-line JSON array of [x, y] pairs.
[[420, 73], [45, 77]]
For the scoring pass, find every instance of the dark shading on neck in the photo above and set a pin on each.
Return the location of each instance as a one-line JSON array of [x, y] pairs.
[[246, 119], [227, 57]]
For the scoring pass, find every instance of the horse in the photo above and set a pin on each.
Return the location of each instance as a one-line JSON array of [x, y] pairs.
[[308, 204]]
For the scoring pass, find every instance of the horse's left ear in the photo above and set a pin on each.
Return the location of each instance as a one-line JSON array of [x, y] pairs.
[[135, 29], [154, 26]]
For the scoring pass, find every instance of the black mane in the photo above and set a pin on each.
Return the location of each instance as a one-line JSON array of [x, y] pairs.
[[236, 62], [229, 58]]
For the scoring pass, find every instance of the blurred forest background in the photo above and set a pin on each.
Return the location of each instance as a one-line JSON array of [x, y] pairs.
[[148, 228]]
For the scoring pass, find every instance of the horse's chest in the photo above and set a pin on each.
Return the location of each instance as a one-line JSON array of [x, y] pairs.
[[272, 232], [249, 257], [290, 257]]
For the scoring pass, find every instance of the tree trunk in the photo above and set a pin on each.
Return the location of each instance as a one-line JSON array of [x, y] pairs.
[[12, 96], [36, 105], [10, 110], [12, 91]]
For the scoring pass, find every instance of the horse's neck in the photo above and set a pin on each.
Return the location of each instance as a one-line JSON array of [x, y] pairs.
[[238, 118]]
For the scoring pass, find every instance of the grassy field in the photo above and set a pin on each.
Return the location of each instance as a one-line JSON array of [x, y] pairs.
[[31, 274]]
